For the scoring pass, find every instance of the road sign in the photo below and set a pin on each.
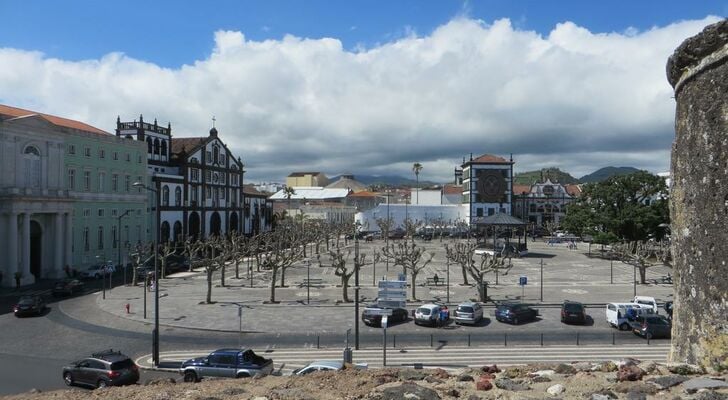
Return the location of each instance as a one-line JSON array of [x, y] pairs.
[[384, 321], [379, 311], [392, 284], [392, 303], [392, 294], [522, 280]]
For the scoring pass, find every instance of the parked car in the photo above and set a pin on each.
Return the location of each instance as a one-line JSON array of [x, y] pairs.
[[572, 311], [95, 271], [618, 314], [226, 363], [102, 369], [29, 305], [652, 326], [371, 317], [427, 314], [176, 263], [468, 313], [324, 365], [396, 234], [68, 287], [515, 313], [647, 301]]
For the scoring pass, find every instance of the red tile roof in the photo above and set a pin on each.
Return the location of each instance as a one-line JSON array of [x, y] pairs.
[[521, 189], [490, 159], [188, 144], [452, 189], [15, 112]]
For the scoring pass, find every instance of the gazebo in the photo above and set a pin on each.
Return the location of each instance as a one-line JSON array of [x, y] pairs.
[[503, 220]]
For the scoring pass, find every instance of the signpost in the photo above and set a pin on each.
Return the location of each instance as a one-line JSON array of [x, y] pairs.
[[392, 294], [384, 342], [522, 280]]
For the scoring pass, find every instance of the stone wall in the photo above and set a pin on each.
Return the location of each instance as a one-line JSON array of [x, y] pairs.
[[698, 71]]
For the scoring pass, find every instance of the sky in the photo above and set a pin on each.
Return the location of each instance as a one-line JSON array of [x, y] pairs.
[[365, 87]]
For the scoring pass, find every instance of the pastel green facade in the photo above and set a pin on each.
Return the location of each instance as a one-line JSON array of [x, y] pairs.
[[100, 172]]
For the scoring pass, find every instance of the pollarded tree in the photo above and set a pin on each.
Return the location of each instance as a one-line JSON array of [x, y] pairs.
[[410, 257], [141, 256], [461, 253], [385, 225], [642, 255], [411, 226], [339, 259], [167, 250], [281, 252]]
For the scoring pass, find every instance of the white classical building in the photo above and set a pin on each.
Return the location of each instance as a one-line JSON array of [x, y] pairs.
[[35, 208]]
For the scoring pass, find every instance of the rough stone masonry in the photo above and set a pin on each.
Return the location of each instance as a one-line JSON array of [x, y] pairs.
[[698, 71]]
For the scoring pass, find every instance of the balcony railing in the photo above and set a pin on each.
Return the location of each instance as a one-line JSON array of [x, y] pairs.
[[144, 125]]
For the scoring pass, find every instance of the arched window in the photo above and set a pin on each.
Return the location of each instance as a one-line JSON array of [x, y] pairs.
[[165, 196], [156, 146], [164, 148], [149, 145], [178, 196], [31, 154]]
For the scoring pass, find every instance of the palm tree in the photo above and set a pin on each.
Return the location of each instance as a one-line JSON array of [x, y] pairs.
[[289, 191], [416, 168]]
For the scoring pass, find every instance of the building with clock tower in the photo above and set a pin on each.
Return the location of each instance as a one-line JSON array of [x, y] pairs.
[[487, 186]]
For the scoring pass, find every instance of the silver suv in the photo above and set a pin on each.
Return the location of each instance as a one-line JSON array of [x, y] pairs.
[[468, 313]]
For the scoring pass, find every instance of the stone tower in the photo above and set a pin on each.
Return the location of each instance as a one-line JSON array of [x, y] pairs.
[[698, 71]]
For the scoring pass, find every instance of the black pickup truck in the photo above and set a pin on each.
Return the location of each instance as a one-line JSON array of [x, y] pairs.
[[226, 363]]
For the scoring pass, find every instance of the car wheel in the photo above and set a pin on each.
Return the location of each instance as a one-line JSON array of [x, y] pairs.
[[624, 326], [190, 376], [68, 379], [102, 383], [243, 375]]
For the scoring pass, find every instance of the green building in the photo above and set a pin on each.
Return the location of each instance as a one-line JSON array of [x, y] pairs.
[[109, 214]]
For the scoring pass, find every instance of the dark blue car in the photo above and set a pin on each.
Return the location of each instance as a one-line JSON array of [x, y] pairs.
[[515, 313]]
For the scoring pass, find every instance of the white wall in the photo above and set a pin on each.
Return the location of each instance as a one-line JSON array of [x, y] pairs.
[[399, 212]]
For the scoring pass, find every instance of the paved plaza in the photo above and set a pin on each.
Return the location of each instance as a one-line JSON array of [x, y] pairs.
[[574, 274]]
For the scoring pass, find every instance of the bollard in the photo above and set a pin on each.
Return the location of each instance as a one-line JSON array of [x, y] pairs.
[[542, 340], [431, 340], [648, 339], [394, 341], [318, 341], [612, 338], [127, 306], [468, 340], [505, 339], [577, 338]]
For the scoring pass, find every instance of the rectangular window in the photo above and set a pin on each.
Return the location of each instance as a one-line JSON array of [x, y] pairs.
[[101, 237], [85, 239], [208, 176], [222, 193], [127, 183], [102, 153], [115, 155], [86, 212], [194, 174], [101, 212], [72, 179], [479, 212], [113, 212], [193, 190], [113, 237], [209, 192], [71, 149], [87, 180], [491, 211], [102, 178], [115, 183], [87, 151]]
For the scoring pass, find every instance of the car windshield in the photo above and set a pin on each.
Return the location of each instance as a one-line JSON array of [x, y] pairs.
[[124, 364], [571, 307], [424, 311], [467, 309], [26, 300]]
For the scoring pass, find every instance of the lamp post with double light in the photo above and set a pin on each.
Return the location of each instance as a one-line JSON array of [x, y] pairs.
[[155, 332]]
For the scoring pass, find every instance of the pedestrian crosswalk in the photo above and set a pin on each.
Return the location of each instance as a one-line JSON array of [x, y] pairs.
[[286, 360]]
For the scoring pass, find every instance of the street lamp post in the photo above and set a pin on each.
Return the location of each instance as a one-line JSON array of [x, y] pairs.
[[103, 277], [118, 242], [155, 332], [356, 288], [308, 281]]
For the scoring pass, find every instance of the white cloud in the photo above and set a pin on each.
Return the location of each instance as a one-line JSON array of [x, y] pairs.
[[574, 99]]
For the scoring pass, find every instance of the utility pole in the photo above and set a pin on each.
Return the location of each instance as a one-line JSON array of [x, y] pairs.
[[356, 288]]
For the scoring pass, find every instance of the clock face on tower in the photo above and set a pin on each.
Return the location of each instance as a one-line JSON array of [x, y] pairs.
[[491, 186]]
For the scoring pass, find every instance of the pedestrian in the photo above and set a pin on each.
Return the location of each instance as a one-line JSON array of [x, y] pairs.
[[436, 279], [443, 316]]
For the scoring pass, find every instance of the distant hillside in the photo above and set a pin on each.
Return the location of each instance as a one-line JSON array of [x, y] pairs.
[[390, 180], [555, 174], [607, 172]]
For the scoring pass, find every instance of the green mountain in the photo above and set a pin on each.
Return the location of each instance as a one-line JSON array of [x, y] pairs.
[[607, 172], [555, 174]]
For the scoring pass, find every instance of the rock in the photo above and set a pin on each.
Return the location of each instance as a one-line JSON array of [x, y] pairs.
[[667, 381], [453, 393], [629, 373], [34, 390], [540, 379], [608, 366], [432, 379], [491, 369], [628, 361], [259, 398], [441, 373], [465, 378], [483, 384], [487, 375], [611, 377], [543, 372], [582, 366], [695, 384], [515, 372], [603, 394], [637, 387], [409, 390], [647, 366], [556, 390], [565, 369], [710, 395], [509, 384], [636, 396], [474, 397], [412, 374], [684, 369]]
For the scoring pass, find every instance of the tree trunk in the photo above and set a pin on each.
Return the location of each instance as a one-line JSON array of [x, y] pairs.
[[643, 274], [414, 281], [208, 299], [237, 268], [134, 276], [274, 272], [222, 273], [465, 275], [163, 261], [345, 287], [283, 277]]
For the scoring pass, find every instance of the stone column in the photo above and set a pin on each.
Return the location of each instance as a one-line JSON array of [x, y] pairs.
[[25, 246], [59, 241], [12, 267], [698, 71], [68, 240]]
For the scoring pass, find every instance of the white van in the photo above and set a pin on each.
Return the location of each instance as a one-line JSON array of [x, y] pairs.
[[617, 314], [646, 301]]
